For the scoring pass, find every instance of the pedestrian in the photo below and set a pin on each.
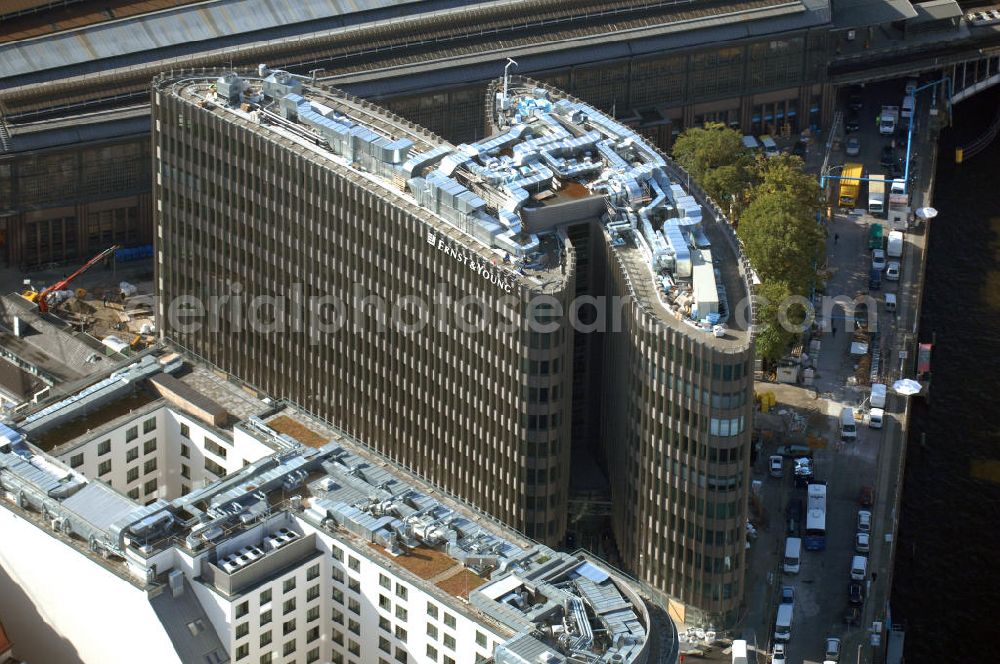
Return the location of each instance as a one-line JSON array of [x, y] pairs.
[[836, 237]]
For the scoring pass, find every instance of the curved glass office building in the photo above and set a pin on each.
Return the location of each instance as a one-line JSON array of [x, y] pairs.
[[484, 314]]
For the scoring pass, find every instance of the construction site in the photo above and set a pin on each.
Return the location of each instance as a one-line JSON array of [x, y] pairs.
[[109, 297]]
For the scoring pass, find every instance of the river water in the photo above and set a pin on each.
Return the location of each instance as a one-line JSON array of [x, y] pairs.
[[947, 577]]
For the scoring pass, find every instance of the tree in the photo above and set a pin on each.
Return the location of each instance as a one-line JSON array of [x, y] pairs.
[[784, 174], [782, 239], [716, 159], [774, 336]]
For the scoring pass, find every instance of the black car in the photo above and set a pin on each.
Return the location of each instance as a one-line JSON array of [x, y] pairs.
[[875, 279], [852, 123], [794, 509], [854, 100], [888, 156], [799, 149], [856, 593]]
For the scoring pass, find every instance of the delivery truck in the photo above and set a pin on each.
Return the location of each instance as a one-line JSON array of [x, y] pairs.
[[850, 182]]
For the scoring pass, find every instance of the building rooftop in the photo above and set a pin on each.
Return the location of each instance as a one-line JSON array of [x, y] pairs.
[[319, 478]]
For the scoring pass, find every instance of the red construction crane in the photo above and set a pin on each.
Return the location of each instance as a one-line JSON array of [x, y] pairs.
[[41, 297]]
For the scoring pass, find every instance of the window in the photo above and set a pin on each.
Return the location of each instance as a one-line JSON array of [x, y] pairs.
[[432, 652], [134, 493], [401, 613], [337, 636], [149, 446], [449, 620], [149, 466], [289, 648], [400, 591], [242, 651], [354, 606], [447, 660], [76, 461], [131, 434], [354, 564], [185, 451], [265, 638], [400, 633], [312, 573], [312, 614], [288, 627], [214, 468], [400, 655], [354, 584], [432, 610], [354, 627], [449, 641], [338, 595], [289, 585], [383, 644], [337, 553], [336, 616], [288, 607], [384, 581], [149, 487], [242, 630], [185, 472], [312, 656], [132, 475], [186, 432], [265, 596], [103, 447], [337, 574], [185, 489], [266, 658], [265, 617], [354, 648], [131, 455], [215, 448], [312, 593], [149, 425], [384, 603], [104, 468], [312, 634], [480, 639], [432, 631], [383, 623]]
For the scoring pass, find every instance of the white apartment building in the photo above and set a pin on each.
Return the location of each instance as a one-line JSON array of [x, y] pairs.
[[295, 546]]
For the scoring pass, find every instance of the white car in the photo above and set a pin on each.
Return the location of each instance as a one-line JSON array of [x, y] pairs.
[[892, 271], [853, 147], [862, 542], [832, 649], [878, 259], [777, 466], [778, 656], [864, 521]]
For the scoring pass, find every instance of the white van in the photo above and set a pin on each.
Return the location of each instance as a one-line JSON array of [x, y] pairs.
[[783, 623], [875, 417], [909, 101], [848, 429], [890, 303], [739, 652], [859, 568], [770, 147], [879, 392], [793, 553], [750, 143]]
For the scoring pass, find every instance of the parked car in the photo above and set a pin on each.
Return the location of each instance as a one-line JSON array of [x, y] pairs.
[[778, 656], [878, 259], [888, 156], [892, 271], [862, 542], [777, 466], [856, 593], [852, 123], [832, 649], [852, 616], [787, 595], [867, 497], [874, 279], [855, 101], [853, 146], [864, 521], [794, 451], [799, 149]]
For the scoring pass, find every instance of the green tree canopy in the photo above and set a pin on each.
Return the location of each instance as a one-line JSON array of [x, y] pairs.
[[782, 239], [715, 157], [772, 338], [783, 174]]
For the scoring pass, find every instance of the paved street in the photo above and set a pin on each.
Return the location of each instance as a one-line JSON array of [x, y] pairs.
[[821, 597]]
